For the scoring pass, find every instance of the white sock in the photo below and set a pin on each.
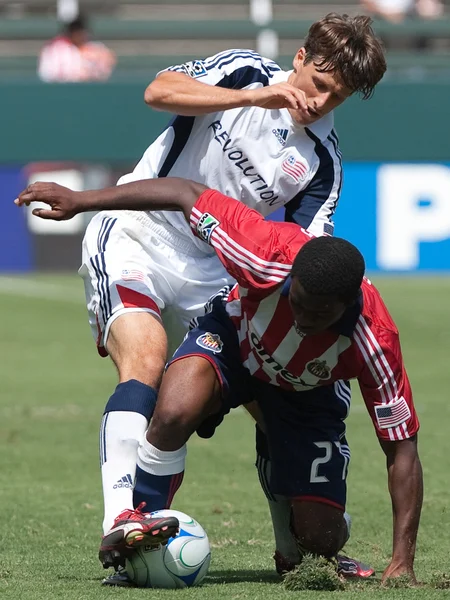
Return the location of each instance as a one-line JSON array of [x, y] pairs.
[[160, 462], [285, 543], [120, 434], [280, 511], [348, 522]]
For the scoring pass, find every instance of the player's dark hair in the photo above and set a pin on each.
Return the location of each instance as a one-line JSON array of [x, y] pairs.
[[330, 266], [348, 46], [77, 24]]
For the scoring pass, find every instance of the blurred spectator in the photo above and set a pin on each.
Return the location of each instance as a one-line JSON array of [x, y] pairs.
[[397, 10], [72, 57]]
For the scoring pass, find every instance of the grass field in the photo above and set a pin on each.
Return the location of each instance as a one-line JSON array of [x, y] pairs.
[[53, 389]]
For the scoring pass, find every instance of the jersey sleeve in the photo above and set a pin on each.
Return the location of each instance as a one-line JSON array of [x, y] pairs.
[[384, 383], [314, 206], [236, 69], [257, 253]]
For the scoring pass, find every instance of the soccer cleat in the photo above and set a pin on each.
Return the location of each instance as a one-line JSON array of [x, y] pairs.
[[134, 528], [349, 567], [118, 579]]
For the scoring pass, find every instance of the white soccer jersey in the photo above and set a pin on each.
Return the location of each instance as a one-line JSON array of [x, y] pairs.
[[259, 156]]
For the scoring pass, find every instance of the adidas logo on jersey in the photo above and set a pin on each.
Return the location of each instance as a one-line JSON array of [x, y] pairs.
[[124, 482], [281, 135]]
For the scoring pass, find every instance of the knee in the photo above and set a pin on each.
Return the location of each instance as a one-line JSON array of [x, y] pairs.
[[170, 427], [319, 528], [145, 366], [137, 345]]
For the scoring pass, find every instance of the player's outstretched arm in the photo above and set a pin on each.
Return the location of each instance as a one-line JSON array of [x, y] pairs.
[[182, 95], [406, 490], [148, 194]]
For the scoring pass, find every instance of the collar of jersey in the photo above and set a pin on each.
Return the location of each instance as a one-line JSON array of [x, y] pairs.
[[347, 323]]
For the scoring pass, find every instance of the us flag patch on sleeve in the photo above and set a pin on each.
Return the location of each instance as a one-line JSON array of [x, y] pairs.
[[393, 414]]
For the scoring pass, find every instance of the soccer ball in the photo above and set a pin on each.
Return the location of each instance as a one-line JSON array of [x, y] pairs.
[[183, 562]]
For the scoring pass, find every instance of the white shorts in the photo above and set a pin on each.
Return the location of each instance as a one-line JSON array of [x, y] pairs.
[[132, 263]]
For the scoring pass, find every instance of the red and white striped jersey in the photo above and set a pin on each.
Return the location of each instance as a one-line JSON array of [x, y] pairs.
[[61, 61], [363, 345]]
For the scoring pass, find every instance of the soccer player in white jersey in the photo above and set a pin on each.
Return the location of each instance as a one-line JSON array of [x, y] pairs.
[[300, 319], [251, 130]]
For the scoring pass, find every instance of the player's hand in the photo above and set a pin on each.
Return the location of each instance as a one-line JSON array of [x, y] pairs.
[[62, 201], [393, 571], [281, 95]]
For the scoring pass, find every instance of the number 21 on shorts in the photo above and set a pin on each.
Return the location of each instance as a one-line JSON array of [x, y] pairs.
[[327, 447]]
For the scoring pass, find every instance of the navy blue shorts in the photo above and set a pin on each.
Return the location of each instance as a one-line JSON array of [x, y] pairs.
[[305, 430]]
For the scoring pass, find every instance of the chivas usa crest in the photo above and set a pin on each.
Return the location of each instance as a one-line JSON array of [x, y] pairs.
[[319, 369], [210, 341]]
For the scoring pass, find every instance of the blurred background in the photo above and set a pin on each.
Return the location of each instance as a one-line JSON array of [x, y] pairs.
[[72, 79]]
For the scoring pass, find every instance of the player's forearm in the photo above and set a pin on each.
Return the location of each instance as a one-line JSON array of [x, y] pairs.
[[406, 490], [147, 194], [180, 94]]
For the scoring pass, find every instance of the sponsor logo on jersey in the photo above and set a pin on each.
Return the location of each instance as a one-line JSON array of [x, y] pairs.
[[281, 135], [210, 341], [294, 168], [242, 162], [275, 366], [298, 330], [206, 225], [194, 68], [319, 368]]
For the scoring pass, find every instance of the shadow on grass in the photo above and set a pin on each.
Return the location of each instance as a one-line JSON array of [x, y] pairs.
[[214, 577], [244, 575]]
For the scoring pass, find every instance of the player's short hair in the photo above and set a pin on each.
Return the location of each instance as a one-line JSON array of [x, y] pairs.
[[348, 46], [330, 266], [78, 24]]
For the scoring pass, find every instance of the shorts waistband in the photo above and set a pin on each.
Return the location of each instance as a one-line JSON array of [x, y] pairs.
[[169, 234]]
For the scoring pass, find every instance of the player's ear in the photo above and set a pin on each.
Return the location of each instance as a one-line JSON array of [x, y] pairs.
[[299, 59]]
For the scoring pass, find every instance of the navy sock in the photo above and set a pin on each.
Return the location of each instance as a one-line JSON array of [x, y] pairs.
[[157, 491], [133, 396]]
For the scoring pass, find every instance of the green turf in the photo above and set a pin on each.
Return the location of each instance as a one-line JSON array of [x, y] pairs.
[[52, 394]]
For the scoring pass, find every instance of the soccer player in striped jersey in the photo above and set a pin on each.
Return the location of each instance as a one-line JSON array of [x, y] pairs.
[[243, 126], [301, 318]]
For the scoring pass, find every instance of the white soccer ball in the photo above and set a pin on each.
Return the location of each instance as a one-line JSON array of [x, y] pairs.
[[183, 562]]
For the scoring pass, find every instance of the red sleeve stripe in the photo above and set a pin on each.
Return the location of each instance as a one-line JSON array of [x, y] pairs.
[[381, 371], [372, 367], [381, 356], [264, 272], [376, 361], [216, 242], [286, 268]]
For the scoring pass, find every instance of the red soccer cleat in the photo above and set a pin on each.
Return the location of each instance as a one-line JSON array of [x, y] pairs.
[[349, 567], [134, 528]]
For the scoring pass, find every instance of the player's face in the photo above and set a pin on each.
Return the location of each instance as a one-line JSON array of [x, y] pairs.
[[323, 91], [80, 37], [313, 314]]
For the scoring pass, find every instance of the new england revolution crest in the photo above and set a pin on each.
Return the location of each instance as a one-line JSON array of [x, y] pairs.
[[210, 341], [319, 368]]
